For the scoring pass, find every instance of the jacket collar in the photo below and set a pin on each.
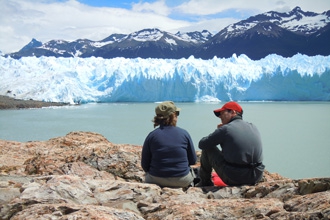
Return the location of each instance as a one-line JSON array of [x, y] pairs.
[[235, 118]]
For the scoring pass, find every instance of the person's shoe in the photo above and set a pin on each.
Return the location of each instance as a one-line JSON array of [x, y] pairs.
[[204, 183], [196, 181]]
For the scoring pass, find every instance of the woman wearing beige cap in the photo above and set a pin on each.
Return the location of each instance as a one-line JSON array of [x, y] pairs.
[[168, 151]]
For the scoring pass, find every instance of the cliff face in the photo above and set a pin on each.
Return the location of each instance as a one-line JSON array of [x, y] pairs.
[[84, 176]]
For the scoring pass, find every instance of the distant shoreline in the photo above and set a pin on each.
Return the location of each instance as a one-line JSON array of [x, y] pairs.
[[7, 103]]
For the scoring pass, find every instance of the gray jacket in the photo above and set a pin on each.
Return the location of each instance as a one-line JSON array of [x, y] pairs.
[[241, 146]]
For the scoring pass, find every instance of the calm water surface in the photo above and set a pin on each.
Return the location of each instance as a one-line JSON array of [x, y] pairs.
[[296, 135]]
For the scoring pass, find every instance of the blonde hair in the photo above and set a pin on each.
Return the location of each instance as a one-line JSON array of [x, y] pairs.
[[164, 121]]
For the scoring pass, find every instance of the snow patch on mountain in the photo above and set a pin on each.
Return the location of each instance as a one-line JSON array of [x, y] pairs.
[[147, 35], [101, 44], [295, 21], [170, 41]]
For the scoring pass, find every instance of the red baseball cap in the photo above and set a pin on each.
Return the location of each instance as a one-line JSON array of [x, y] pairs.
[[229, 106]]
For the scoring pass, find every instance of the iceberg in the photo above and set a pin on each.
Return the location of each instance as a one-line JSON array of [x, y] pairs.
[[84, 80]]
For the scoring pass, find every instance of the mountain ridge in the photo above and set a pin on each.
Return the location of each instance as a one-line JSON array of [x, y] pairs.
[[272, 32]]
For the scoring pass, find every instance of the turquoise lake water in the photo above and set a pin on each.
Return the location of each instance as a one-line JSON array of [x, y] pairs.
[[295, 135]]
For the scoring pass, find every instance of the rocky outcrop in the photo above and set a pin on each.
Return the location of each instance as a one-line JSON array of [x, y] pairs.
[[84, 176]]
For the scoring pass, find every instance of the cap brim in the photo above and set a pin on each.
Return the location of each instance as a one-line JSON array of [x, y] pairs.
[[217, 111]]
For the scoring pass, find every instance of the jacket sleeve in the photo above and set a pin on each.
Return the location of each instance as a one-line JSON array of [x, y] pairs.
[[146, 156], [212, 139], [192, 158]]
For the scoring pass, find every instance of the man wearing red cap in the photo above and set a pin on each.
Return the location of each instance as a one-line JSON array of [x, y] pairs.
[[239, 162]]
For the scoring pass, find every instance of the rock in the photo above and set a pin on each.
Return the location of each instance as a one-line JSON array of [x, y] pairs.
[[64, 211], [84, 176], [311, 186]]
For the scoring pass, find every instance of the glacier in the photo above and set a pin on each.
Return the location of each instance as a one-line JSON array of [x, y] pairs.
[[84, 80]]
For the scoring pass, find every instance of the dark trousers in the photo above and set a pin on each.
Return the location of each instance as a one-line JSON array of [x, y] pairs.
[[212, 158]]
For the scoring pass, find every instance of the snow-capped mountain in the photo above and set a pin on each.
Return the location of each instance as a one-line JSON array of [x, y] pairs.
[[285, 34], [145, 43], [152, 43], [296, 21]]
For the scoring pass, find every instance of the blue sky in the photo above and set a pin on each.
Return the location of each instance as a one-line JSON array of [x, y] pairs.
[[44, 20]]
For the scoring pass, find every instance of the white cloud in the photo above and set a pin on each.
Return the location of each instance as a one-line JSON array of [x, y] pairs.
[[22, 20], [158, 7], [207, 7]]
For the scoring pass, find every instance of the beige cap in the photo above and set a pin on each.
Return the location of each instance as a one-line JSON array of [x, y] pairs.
[[165, 109]]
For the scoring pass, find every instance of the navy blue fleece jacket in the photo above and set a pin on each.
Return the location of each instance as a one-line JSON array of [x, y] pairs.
[[168, 151]]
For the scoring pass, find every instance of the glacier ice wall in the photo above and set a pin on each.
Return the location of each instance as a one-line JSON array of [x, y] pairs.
[[82, 80]]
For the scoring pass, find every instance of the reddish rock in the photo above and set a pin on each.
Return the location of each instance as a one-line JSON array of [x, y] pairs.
[[84, 176]]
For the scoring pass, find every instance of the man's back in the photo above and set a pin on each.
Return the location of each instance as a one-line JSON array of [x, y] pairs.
[[241, 143]]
